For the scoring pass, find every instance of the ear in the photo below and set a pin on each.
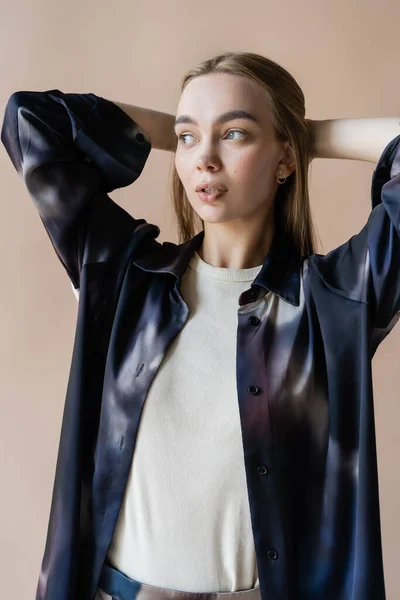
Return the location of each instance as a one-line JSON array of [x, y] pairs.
[[288, 162]]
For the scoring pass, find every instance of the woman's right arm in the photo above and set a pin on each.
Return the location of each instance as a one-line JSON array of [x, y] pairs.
[[71, 150], [158, 126]]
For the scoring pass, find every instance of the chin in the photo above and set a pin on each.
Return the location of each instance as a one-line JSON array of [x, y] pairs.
[[209, 208], [209, 216]]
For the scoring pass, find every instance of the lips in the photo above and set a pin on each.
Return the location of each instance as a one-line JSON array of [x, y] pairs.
[[215, 186]]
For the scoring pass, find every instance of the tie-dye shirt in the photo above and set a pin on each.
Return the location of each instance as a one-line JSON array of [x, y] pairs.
[[303, 364]]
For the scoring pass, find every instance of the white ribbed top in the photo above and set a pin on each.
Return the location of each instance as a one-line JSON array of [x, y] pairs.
[[185, 520]]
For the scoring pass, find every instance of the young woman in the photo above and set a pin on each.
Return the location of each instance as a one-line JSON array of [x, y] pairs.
[[218, 434]]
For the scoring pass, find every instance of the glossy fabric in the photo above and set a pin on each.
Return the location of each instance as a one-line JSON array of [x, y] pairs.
[[304, 382], [117, 585]]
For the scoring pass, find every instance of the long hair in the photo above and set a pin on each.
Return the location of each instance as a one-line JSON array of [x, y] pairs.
[[286, 104]]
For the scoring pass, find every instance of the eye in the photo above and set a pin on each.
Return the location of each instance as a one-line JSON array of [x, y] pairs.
[[183, 135], [236, 131]]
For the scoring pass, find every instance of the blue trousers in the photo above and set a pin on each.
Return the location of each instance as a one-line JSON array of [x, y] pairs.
[[114, 585]]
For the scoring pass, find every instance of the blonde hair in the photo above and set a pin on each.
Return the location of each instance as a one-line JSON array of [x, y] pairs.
[[286, 104]]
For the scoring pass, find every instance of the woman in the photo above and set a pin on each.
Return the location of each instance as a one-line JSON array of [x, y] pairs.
[[253, 471]]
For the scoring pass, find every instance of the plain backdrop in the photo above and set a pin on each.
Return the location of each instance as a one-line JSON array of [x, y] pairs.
[[345, 57]]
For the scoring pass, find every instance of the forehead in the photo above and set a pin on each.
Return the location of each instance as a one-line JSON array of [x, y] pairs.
[[208, 96]]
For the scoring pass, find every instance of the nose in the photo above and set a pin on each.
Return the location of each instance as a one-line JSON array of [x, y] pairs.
[[208, 161]]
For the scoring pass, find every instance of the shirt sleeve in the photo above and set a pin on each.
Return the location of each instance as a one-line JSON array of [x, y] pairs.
[[367, 267], [71, 150]]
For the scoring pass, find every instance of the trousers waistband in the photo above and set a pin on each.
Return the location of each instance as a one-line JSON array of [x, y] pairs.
[[120, 587]]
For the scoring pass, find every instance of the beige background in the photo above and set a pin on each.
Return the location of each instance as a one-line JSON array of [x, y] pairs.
[[345, 58]]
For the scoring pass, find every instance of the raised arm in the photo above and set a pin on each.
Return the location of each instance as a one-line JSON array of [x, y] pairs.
[[355, 138], [71, 150], [366, 268], [158, 126]]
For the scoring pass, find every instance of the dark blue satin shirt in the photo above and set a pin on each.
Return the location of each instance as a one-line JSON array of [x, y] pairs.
[[304, 377]]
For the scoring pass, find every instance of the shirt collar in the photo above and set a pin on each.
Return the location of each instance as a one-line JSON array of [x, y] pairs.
[[279, 274]]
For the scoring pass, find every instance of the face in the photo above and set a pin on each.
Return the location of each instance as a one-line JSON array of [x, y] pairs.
[[241, 154]]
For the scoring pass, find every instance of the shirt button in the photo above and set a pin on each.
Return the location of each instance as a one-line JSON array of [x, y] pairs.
[[253, 389], [254, 320], [139, 137], [272, 554], [262, 470]]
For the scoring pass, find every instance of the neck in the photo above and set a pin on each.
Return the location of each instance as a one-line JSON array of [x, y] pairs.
[[225, 247]]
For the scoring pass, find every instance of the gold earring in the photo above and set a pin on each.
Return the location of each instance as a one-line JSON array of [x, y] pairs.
[[280, 178]]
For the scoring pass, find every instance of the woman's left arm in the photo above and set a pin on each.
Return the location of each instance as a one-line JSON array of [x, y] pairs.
[[366, 268], [354, 139]]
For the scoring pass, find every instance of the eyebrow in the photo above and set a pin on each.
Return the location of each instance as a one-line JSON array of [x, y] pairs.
[[224, 118]]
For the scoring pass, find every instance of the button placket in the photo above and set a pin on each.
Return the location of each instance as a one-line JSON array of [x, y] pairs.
[[262, 470]]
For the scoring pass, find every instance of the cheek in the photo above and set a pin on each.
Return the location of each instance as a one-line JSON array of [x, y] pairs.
[[185, 174], [177, 163], [182, 168], [251, 168]]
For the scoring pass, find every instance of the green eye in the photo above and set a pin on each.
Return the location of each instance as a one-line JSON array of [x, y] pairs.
[[183, 135], [236, 131]]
